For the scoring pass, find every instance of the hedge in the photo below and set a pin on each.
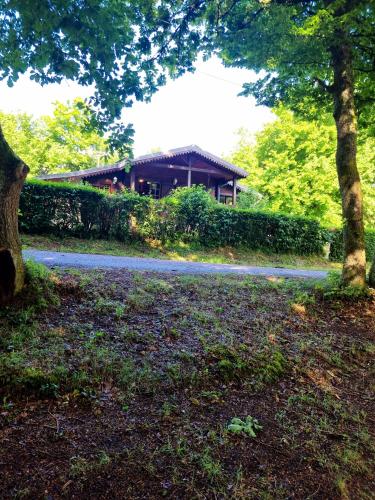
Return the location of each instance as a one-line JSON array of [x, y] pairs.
[[260, 230], [191, 214], [336, 250], [77, 210], [187, 214]]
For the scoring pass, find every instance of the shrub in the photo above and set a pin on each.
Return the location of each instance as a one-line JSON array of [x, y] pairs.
[[184, 214], [261, 230], [79, 210], [192, 214], [188, 214], [336, 250]]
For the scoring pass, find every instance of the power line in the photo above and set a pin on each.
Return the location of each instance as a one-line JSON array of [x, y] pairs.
[[219, 78]]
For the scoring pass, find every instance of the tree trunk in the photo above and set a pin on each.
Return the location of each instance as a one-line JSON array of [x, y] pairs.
[[12, 175], [354, 268]]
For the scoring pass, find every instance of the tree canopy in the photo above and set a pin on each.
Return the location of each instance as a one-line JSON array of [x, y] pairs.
[[62, 142], [94, 43], [291, 162]]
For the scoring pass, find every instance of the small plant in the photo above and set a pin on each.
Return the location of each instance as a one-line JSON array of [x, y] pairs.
[[158, 286], [140, 301], [250, 426], [212, 468], [332, 289]]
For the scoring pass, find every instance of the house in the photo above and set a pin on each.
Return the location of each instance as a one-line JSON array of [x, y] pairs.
[[157, 174]]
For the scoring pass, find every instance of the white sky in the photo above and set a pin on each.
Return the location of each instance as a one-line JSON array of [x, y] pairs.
[[201, 108]]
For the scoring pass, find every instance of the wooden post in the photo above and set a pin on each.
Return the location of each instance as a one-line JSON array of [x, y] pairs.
[[189, 174], [217, 192], [132, 180], [234, 199]]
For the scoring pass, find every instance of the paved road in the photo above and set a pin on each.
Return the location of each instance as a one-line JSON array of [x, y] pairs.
[[66, 259]]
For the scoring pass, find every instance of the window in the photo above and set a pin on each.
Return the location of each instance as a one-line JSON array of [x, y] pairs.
[[150, 189], [227, 200]]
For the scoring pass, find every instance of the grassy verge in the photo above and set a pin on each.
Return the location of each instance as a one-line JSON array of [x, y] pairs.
[[150, 386], [178, 251]]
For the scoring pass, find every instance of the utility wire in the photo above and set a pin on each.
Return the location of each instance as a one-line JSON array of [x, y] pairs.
[[218, 78]]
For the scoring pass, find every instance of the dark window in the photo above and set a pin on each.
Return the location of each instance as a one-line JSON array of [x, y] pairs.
[[227, 200], [150, 189]]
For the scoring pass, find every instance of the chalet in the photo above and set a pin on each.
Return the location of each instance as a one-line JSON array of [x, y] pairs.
[[157, 174]]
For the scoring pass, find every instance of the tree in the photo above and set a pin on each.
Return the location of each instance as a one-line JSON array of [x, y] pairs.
[[291, 162], [62, 142], [310, 55], [94, 42], [316, 55]]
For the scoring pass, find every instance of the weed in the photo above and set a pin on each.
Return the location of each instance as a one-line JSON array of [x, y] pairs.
[[250, 426], [333, 289], [157, 286], [168, 408], [211, 468], [140, 301]]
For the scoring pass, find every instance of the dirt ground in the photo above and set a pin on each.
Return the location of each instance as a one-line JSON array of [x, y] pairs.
[[124, 385]]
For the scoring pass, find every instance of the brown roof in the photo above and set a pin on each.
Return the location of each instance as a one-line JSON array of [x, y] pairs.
[[149, 158], [79, 174]]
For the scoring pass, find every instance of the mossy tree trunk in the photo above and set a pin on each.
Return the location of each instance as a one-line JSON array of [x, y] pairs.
[[354, 268], [13, 172]]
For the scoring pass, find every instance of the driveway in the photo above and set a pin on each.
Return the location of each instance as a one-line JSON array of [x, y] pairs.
[[66, 259]]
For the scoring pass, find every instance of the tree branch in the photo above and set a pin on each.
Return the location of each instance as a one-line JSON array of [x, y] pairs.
[[322, 83]]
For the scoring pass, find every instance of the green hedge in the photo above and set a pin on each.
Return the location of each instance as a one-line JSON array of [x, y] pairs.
[[192, 214], [336, 251], [79, 210], [259, 230], [189, 214]]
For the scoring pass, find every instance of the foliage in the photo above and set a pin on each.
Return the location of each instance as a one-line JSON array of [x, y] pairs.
[[185, 213], [40, 287], [62, 142], [292, 164], [332, 289], [249, 426], [79, 210], [292, 43], [189, 214], [336, 253], [251, 200], [270, 231], [194, 216], [96, 43]]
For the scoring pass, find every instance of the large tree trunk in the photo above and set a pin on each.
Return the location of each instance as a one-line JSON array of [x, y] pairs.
[[12, 175], [354, 268]]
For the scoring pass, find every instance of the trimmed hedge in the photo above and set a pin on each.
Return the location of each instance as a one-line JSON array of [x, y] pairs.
[[191, 214], [260, 230], [337, 252], [188, 214], [68, 209]]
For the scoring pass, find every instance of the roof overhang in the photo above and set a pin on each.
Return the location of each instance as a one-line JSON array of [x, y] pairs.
[[168, 157]]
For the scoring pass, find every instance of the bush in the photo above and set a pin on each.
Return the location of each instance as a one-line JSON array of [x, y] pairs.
[[267, 231], [68, 209], [192, 214], [188, 214], [183, 215], [337, 252]]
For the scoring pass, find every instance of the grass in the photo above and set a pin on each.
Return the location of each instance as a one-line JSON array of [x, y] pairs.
[[178, 251], [153, 386]]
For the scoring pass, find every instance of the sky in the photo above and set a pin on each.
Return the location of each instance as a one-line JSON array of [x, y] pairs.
[[202, 108]]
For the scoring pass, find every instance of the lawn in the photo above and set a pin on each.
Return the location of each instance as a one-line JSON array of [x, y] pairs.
[[128, 383], [178, 251]]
